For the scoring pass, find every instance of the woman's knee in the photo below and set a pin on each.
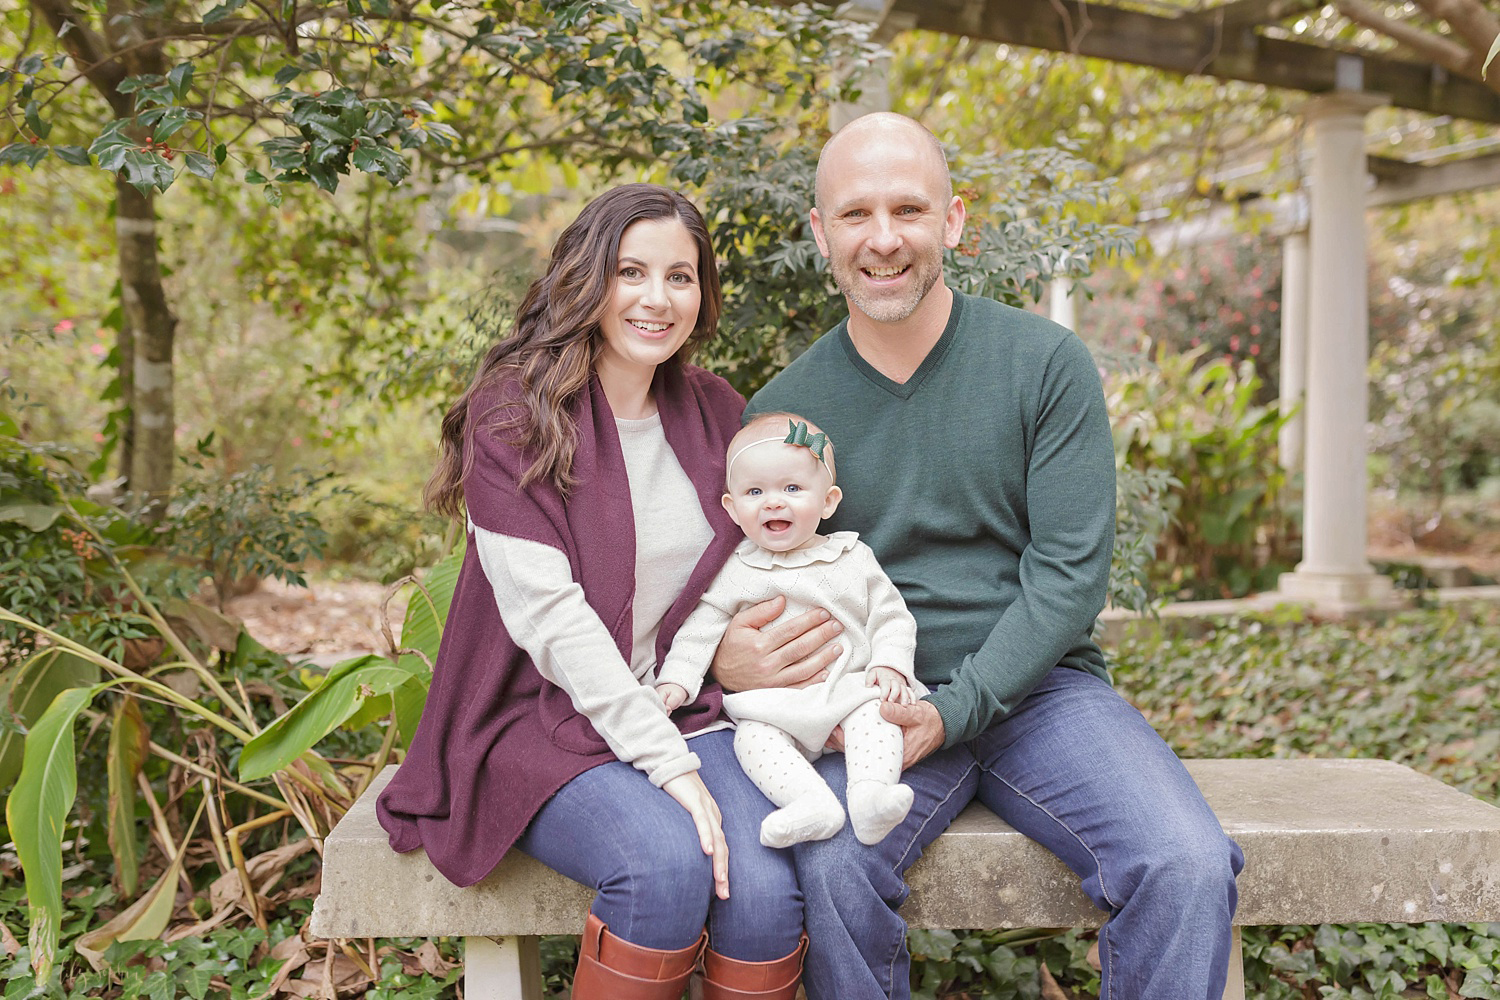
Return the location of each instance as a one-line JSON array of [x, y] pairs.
[[660, 888], [762, 918]]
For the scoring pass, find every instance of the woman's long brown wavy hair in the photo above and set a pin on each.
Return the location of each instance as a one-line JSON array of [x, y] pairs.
[[556, 339]]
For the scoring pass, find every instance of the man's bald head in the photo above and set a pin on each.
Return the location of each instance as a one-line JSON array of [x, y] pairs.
[[879, 128]]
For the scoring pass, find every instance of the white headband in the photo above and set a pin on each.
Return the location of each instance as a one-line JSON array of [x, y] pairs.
[[771, 440]]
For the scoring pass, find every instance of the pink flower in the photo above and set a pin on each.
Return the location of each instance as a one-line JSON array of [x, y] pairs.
[[1234, 343], [63, 326], [98, 350], [1255, 350]]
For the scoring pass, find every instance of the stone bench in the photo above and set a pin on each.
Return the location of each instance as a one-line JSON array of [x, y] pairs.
[[1325, 841]]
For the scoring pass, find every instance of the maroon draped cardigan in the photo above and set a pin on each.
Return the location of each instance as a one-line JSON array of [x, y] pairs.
[[496, 741]]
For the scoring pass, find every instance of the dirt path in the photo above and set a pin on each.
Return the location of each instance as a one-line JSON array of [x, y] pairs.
[[333, 619], [325, 622]]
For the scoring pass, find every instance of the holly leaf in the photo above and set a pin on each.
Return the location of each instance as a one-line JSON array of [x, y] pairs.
[[23, 152], [181, 78], [201, 165], [34, 121], [222, 11], [76, 155]]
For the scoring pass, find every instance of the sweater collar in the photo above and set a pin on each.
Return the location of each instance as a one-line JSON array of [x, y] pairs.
[[829, 549], [907, 389]]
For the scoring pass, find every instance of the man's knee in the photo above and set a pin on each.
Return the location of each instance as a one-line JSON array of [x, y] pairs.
[[1194, 863], [841, 868]]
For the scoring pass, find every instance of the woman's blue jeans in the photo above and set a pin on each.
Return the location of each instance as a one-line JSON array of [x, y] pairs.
[[1076, 768], [613, 830]]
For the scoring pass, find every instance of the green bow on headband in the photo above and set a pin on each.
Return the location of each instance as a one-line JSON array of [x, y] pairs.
[[812, 442]]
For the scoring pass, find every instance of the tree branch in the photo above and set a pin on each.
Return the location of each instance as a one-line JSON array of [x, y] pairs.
[[1469, 19], [559, 142], [246, 26], [1443, 51], [89, 49]]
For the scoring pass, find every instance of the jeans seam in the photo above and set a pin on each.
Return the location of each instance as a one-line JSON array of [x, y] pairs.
[[1098, 868], [1106, 950], [899, 872]]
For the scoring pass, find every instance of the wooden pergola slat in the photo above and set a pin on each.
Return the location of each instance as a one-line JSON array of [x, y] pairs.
[[1222, 42]]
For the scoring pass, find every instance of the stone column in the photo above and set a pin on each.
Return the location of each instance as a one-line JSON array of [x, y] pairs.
[[874, 80], [1294, 288], [1062, 308], [1334, 573]]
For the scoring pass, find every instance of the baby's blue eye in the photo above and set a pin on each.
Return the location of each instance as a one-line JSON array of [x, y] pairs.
[[753, 491], [793, 488]]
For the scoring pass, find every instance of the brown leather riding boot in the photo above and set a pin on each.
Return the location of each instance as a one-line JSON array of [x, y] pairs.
[[731, 979], [611, 968]]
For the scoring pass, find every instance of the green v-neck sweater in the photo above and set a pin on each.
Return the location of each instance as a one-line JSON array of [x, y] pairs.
[[985, 484]]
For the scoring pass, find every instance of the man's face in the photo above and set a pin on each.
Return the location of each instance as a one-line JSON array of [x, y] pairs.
[[884, 220]]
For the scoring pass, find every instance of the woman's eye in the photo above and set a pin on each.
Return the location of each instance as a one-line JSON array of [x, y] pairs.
[[630, 272], [682, 279]]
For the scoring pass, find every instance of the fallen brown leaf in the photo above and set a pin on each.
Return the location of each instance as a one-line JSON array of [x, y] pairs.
[[8, 942], [1050, 989], [432, 961], [293, 954], [203, 926]]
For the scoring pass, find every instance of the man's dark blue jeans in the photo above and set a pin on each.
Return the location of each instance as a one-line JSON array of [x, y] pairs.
[[1077, 769]]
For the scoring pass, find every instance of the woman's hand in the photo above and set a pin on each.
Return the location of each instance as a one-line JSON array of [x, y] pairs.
[[793, 654], [892, 684], [692, 794]]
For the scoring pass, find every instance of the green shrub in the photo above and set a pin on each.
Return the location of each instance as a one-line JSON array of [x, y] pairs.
[[1232, 527], [247, 525]]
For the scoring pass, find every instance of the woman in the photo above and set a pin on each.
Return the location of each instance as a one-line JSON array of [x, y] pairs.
[[588, 457]]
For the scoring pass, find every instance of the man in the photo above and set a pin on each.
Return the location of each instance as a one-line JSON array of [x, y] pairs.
[[977, 463]]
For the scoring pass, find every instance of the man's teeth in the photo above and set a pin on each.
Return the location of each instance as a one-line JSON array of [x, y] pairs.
[[883, 272]]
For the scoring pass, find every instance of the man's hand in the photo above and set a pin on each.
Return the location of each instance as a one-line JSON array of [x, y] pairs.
[[892, 684], [793, 654], [674, 696], [921, 729]]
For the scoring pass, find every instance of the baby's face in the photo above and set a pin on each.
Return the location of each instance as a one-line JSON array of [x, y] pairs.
[[778, 494]]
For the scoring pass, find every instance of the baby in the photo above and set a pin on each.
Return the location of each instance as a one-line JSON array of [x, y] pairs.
[[779, 487]]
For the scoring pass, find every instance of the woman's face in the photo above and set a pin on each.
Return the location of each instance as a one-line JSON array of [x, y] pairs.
[[653, 303]]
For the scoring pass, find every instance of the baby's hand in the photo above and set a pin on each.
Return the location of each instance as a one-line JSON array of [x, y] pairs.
[[674, 696], [892, 684]]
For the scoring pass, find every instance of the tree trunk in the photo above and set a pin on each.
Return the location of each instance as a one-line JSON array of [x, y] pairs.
[[125, 432], [152, 328]]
